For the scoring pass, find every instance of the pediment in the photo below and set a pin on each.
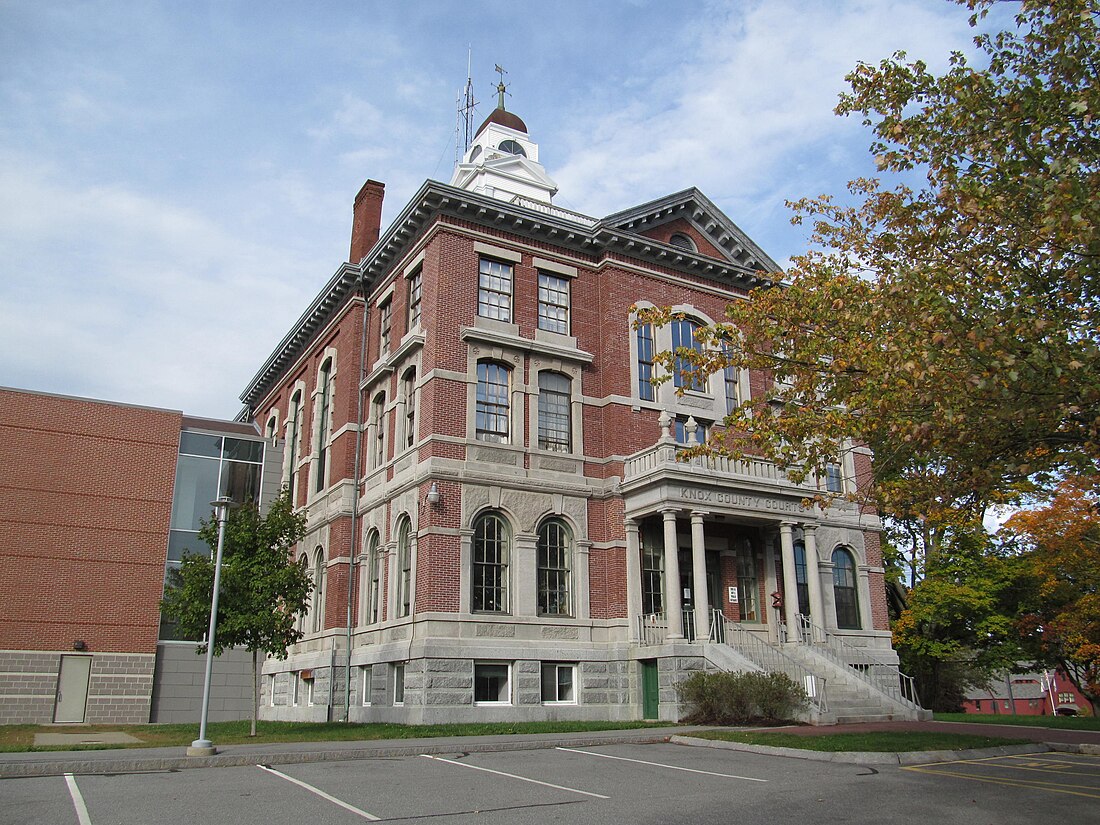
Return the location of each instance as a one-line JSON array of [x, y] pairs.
[[691, 207]]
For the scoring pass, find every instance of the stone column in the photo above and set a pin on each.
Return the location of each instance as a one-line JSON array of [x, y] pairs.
[[673, 595], [813, 575], [790, 582], [699, 574], [633, 575]]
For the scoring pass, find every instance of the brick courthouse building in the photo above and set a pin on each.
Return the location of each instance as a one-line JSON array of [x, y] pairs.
[[499, 527]]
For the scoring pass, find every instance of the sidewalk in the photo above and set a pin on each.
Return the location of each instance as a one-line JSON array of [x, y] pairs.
[[134, 760], [137, 760]]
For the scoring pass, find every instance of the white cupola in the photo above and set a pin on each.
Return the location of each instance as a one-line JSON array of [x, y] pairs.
[[502, 161]]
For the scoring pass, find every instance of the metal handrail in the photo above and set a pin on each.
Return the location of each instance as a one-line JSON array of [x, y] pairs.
[[884, 677], [771, 659]]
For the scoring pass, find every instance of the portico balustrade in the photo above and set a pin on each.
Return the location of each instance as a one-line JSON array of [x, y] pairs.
[[662, 457]]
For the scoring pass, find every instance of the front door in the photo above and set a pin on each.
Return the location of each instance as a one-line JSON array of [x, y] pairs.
[[651, 696], [72, 688]]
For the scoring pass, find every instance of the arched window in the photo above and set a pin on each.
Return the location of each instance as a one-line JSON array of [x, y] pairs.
[[318, 607], [404, 567], [492, 408], [682, 241], [408, 394], [555, 547], [271, 431], [374, 573], [555, 432], [844, 590], [683, 337], [324, 381], [512, 148], [490, 559], [801, 579]]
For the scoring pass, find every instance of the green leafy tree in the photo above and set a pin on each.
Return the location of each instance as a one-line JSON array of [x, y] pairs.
[[958, 626], [262, 590], [947, 319]]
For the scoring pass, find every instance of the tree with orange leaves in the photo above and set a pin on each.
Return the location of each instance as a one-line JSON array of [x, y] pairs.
[[1060, 618]]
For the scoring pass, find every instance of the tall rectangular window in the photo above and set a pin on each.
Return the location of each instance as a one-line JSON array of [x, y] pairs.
[[378, 420], [553, 303], [653, 572], [408, 390], [729, 376], [323, 424], [491, 413], [747, 584], [294, 428], [385, 322], [683, 338], [834, 478], [413, 318], [554, 419], [646, 390], [494, 291]]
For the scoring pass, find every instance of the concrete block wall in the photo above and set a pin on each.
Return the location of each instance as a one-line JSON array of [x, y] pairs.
[[177, 685]]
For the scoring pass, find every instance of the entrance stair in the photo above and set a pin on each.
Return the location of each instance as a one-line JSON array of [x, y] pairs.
[[846, 684]]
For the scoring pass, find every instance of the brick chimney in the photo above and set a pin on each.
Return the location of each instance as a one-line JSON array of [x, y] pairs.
[[366, 220]]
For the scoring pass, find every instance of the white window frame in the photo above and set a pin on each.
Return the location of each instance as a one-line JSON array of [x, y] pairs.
[[554, 298], [365, 684], [493, 276]]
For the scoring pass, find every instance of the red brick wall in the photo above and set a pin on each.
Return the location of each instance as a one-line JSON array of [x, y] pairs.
[[880, 616], [85, 503]]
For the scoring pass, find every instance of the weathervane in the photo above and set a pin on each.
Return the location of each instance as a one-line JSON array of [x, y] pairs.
[[502, 90]]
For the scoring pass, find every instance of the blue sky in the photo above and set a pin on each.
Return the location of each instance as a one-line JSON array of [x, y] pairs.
[[176, 178]]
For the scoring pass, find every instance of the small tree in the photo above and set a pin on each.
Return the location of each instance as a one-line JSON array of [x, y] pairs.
[[262, 590]]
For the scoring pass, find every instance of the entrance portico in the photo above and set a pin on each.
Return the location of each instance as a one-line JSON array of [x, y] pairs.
[[690, 524]]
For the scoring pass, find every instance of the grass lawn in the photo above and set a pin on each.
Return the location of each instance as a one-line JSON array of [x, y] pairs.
[[21, 737], [876, 742], [1060, 722]]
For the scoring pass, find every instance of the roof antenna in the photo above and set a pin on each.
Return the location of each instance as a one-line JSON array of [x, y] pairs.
[[502, 90], [464, 124]]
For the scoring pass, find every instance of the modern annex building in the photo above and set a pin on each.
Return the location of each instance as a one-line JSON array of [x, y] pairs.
[[499, 525], [97, 499]]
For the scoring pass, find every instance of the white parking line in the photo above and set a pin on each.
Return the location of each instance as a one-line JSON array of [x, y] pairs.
[[662, 765], [78, 801], [513, 776], [320, 793]]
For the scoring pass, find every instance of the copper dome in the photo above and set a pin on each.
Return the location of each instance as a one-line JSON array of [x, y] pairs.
[[504, 118]]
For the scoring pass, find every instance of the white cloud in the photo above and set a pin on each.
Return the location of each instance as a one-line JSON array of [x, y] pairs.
[[133, 298]]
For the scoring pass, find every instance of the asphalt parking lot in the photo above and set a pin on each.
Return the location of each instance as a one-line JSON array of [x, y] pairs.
[[644, 784]]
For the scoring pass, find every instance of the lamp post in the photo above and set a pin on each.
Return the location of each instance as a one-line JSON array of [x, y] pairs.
[[203, 746]]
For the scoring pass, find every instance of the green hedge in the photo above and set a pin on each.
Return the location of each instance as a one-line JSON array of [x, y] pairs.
[[739, 698]]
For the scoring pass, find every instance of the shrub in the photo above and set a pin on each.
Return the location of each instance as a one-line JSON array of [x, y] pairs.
[[738, 698]]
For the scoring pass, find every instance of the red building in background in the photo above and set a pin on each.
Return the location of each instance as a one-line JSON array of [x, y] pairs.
[[1045, 693]]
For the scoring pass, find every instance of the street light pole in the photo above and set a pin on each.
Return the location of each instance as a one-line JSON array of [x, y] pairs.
[[203, 746]]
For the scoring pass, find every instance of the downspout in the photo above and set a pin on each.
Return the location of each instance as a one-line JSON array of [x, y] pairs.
[[355, 494]]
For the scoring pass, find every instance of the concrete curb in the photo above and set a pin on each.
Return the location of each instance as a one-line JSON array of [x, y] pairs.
[[392, 748], [860, 758]]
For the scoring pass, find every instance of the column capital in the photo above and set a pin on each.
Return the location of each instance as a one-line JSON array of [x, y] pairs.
[[809, 529], [785, 527], [669, 514], [697, 516]]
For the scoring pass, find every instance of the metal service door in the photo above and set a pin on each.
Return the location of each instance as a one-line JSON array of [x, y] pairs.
[[72, 688], [651, 696]]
